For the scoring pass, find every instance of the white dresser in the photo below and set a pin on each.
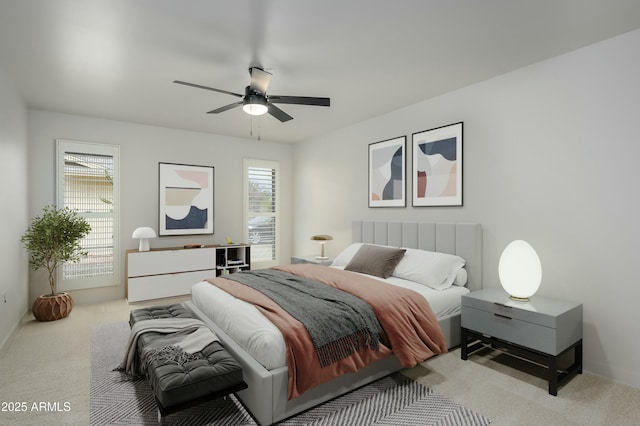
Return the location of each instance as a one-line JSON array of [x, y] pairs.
[[172, 271]]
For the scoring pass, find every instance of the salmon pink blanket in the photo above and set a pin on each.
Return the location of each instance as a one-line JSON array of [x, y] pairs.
[[412, 330]]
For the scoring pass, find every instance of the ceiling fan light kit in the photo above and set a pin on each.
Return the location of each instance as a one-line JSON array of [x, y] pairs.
[[255, 100], [254, 103], [254, 109]]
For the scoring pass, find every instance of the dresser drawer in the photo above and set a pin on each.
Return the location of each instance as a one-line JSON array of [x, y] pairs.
[[158, 286], [530, 335], [166, 261]]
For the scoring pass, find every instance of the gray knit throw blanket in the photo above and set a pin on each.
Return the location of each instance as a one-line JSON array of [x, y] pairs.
[[339, 323], [166, 354]]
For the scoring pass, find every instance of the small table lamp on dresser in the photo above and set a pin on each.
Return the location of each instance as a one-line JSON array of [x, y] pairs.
[[144, 233]]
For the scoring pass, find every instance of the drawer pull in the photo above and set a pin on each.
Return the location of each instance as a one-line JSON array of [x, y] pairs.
[[502, 305], [503, 316]]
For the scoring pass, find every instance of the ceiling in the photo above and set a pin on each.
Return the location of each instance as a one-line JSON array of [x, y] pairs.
[[117, 59]]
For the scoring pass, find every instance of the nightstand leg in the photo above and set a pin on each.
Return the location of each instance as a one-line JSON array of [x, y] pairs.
[[463, 344], [578, 356], [553, 375]]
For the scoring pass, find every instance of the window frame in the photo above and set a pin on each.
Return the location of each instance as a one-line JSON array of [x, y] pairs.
[[89, 148], [249, 163]]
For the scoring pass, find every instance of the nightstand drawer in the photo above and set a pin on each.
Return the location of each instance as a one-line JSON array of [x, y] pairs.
[[546, 312], [505, 306], [511, 329]]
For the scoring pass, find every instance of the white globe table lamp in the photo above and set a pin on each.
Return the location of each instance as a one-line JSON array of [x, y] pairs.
[[144, 233], [520, 270]]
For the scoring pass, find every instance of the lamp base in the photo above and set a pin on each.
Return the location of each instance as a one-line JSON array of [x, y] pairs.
[[322, 257], [144, 244], [519, 299]]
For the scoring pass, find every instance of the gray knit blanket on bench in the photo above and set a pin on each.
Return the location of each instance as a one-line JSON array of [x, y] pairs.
[[183, 338], [339, 323]]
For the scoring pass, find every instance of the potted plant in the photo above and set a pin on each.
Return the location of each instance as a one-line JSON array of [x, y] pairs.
[[51, 240]]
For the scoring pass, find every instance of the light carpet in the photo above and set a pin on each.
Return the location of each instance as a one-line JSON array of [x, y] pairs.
[[393, 400]]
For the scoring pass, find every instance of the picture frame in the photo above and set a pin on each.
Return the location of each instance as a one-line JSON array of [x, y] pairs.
[[387, 173], [437, 166], [186, 199]]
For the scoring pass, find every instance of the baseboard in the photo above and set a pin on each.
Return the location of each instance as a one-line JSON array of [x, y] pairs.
[[14, 330], [619, 375]]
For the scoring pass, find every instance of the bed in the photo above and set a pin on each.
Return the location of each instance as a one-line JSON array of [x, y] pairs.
[[267, 395]]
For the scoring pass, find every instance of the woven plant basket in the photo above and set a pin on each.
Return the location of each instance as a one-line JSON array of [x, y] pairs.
[[50, 307]]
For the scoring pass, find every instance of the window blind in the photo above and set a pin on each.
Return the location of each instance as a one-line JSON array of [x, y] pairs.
[[87, 180], [88, 189], [262, 211]]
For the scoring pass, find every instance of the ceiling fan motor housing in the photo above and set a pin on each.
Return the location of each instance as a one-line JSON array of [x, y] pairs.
[[250, 93]]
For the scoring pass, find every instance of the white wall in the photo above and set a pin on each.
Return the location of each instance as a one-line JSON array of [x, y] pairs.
[[141, 149], [13, 215], [551, 156]]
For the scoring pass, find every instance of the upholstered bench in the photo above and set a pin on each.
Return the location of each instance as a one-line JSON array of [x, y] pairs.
[[156, 312], [175, 387]]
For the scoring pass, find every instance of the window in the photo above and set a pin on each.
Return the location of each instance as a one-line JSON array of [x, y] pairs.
[[261, 195], [87, 180]]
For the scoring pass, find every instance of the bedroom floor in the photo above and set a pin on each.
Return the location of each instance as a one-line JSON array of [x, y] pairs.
[[49, 363]]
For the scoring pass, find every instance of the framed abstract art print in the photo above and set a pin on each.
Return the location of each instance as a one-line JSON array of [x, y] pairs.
[[186, 199], [387, 171], [437, 166]]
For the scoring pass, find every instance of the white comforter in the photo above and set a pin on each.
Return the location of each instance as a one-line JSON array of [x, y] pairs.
[[264, 342]]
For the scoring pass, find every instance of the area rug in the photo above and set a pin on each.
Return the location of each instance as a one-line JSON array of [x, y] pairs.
[[394, 400]]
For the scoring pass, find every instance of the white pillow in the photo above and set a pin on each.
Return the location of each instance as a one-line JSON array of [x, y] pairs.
[[435, 270], [346, 255], [461, 277]]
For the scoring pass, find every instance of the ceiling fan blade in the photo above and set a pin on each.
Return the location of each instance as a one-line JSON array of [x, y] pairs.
[[278, 113], [300, 100], [260, 79], [225, 108], [207, 88]]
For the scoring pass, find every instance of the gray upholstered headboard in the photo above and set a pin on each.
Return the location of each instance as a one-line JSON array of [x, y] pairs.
[[462, 239]]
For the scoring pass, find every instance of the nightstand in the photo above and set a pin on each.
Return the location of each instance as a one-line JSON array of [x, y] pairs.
[[311, 259], [541, 330]]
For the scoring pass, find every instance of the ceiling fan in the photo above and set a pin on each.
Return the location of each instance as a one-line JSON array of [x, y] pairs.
[[255, 100]]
